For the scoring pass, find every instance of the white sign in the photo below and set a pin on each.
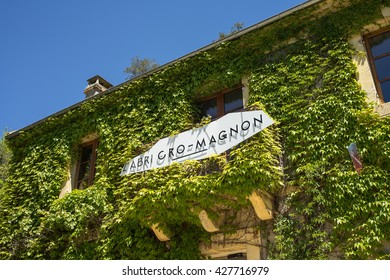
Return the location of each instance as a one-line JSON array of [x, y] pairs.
[[198, 143]]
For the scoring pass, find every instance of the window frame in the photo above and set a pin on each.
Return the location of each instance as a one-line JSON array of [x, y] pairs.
[[371, 60], [219, 96], [91, 176]]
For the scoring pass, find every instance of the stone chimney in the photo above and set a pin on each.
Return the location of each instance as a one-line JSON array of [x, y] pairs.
[[95, 86]]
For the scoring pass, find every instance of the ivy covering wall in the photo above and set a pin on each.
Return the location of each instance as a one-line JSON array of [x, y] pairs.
[[323, 209]]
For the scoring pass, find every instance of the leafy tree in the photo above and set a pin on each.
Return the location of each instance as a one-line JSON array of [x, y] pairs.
[[140, 66], [5, 155], [238, 26]]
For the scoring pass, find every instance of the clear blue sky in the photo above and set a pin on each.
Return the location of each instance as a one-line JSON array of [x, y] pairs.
[[48, 48]]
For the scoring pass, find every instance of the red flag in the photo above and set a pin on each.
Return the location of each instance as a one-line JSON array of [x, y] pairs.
[[353, 152]]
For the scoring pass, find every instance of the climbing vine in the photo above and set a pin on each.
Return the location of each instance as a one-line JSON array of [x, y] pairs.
[[323, 209]]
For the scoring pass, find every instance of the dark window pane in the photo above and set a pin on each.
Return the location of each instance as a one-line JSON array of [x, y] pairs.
[[385, 86], [209, 108], [86, 153], [380, 44], [382, 66], [86, 165], [233, 100], [84, 171]]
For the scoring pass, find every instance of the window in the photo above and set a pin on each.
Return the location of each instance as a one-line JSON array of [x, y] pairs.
[[222, 103], [378, 46], [86, 165]]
